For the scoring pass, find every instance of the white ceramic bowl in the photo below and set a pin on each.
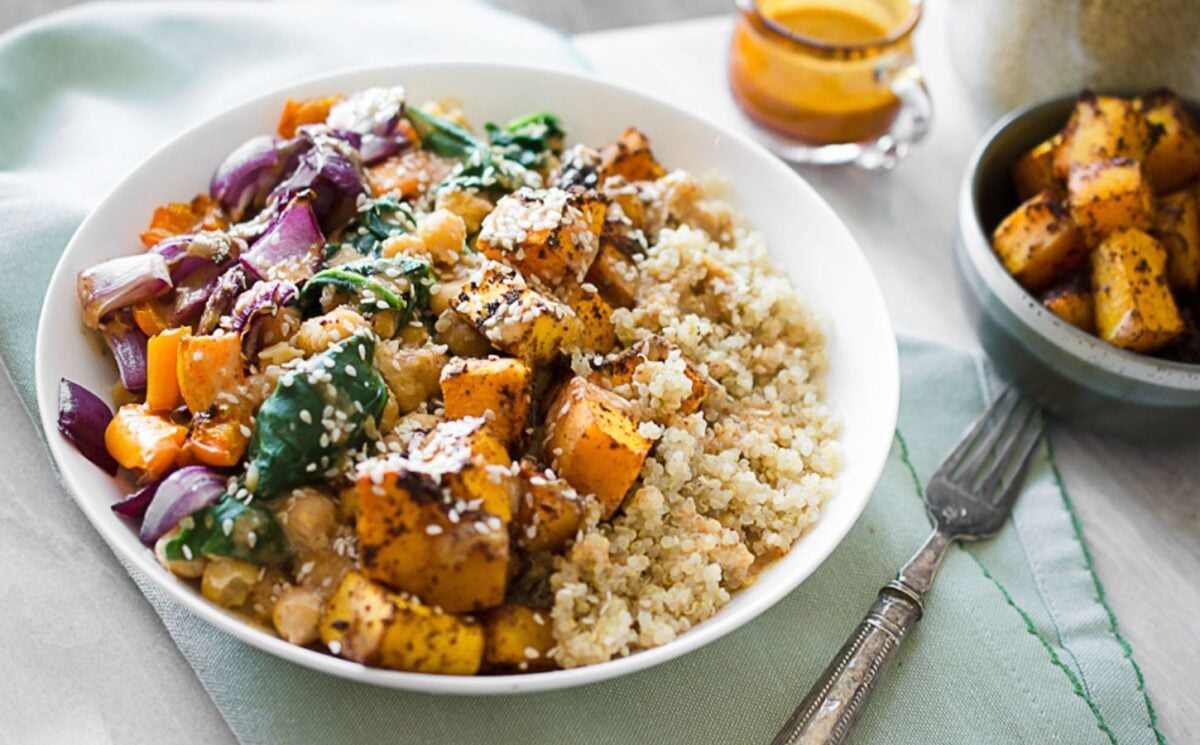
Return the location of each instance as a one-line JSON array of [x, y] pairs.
[[802, 231]]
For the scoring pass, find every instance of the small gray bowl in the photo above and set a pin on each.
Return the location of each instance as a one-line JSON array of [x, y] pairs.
[[1071, 373]]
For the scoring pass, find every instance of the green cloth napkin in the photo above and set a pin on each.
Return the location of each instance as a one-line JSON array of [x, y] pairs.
[[1017, 644]]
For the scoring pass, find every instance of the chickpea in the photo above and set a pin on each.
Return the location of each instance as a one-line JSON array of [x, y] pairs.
[[279, 326], [413, 334], [405, 244], [322, 571], [308, 518], [413, 375], [390, 415], [444, 235], [467, 204], [442, 292], [188, 569], [460, 336], [348, 505], [297, 614], [261, 603], [228, 582], [316, 334]]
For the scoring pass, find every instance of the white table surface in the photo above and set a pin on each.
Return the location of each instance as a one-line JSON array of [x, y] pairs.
[[86, 659]]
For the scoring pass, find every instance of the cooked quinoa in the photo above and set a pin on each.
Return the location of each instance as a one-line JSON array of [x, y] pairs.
[[725, 490]]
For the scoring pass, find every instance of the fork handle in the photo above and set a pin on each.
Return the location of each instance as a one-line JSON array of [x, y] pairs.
[[832, 707]]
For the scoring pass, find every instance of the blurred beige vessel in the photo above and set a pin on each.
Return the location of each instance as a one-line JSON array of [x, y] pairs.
[[1012, 52]]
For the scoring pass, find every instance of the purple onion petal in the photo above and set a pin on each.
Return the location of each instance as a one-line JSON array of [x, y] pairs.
[[192, 294], [221, 301], [260, 302], [376, 149], [241, 183], [185, 254], [291, 247], [135, 504], [82, 419], [118, 283], [128, 345], [332, 175], [185, 491], [262, 298]]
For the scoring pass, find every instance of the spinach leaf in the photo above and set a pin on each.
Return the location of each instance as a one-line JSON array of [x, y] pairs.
[[490, 172], [319, 410], [230, 528], [483, 166], [380, 284], [377, 221], [442, 135], [528, 140]]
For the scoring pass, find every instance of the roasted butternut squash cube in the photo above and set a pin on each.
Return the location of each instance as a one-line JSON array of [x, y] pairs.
[[209, 366], [1173, 159], [615, 276], [496, 389], [594, 442], [597, 333], [1033, 172], [1177, 228], [218, 438], [366, 623], [519, 637], [621, 372], [356, 618], [422, 639], [550, 234], [413, 538], [630, 158], [626, 205], [472, 463], [162, 368], [1101, 128], [141, 440], [514, 317], [549, 510], [1110, 194], [304, 111], [1072, 301], [1039, 242], [1134, 306]]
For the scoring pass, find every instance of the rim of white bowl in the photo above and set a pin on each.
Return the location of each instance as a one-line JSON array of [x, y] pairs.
[[760, 597], [1081, 345]]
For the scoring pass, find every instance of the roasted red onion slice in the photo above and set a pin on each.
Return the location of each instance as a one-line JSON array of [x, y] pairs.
[[241, 183], [128, 346], [256, 304], [220, 302], [330, 170], [291, 247], [185, 491], [82, 419], [135, 504], [118, 283]]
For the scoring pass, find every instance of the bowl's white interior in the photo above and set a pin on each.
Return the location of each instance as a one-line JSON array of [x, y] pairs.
[[803, 233]]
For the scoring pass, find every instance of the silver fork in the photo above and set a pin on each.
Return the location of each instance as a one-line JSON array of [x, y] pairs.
[[969, 497]]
